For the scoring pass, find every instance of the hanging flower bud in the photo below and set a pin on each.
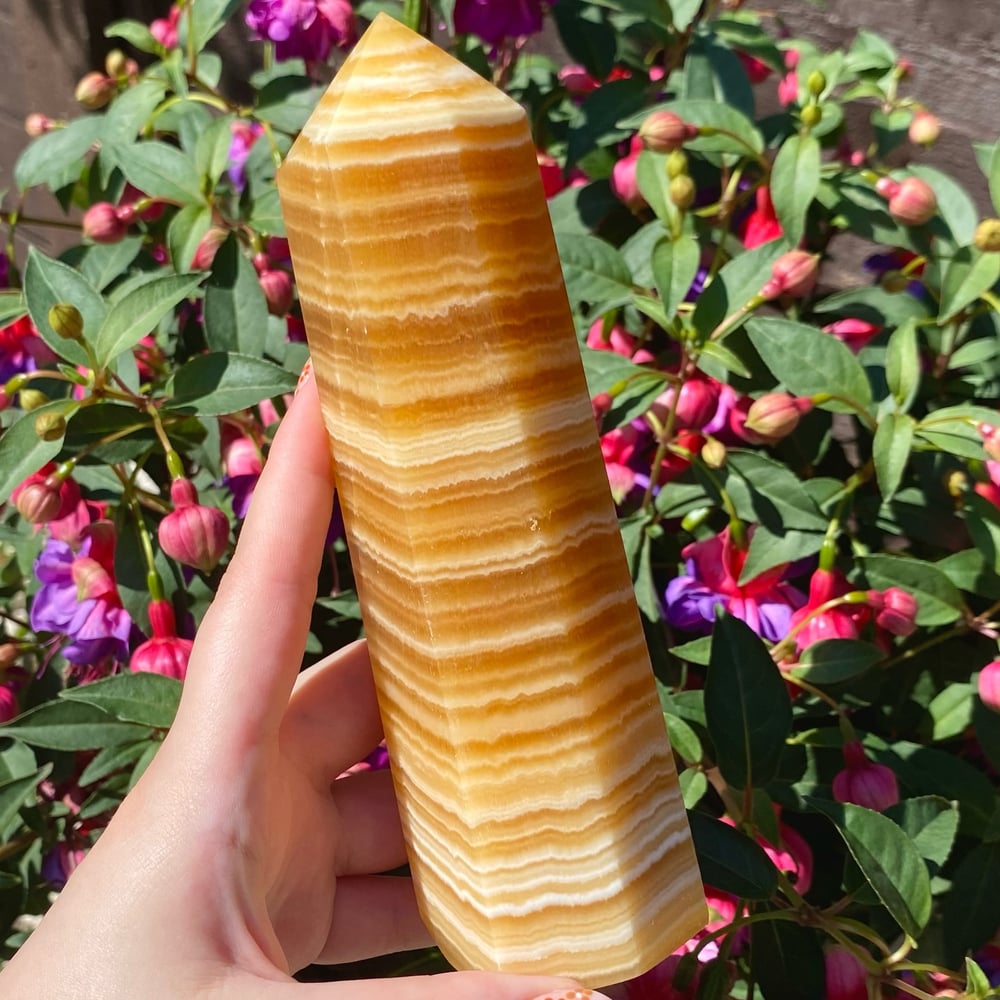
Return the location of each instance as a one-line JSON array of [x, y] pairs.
[[663, 132], [8, 702], [776, 414], [863, 782], [95, 90], [853, 332], [49, 426], [987, 236], [38, 124], [925, 129], [989, 685], [9, 652], [278, 291], [165, 653], [714, 453], [116, 63], [698, 401], [624, 185], [192, 533], [912, 202], [846, 978], [102, 224], [682, 192], [207, 248], [66, 321], [794, 273], [42, 498], [895, 610], [31, 399]]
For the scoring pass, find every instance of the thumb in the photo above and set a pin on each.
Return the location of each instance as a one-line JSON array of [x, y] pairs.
[[449, 986]]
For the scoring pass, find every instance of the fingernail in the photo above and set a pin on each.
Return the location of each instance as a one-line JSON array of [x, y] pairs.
[[304, 375], [572, 995]]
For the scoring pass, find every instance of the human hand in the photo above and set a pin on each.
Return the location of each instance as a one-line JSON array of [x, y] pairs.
[[239, 857]]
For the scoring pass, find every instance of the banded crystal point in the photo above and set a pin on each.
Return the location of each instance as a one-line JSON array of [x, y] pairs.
[[537, 789]]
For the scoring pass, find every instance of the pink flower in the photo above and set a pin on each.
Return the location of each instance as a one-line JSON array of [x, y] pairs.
[[846, 978], [989, 685], [756, 70], [102, 223], [495, 20], [623, 180], [853, 332], [841, 622], [164, 29], [303, 29], [991, 440], [793, 274], [164, 653], [711, 579], [696, 403], [895, 610], [8, 702], [42, 498], [863, 782], [788, 86], [243, 465], [617, 339], [192, 533], [761, 225], [658, 983], [278, 290], [577, 81]]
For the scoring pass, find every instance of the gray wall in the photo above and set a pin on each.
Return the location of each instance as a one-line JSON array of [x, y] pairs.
[[954, 45]]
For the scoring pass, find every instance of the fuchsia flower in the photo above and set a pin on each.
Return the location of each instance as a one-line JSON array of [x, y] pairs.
[[895, 610], [853, 332], [989, 685], [41, 499], [842, 622], [165, 653], [846, 978], [21, 349], [303, 29], [761, 225], [623, 180], [864, 782], [711, 579], [245, 134], [164, 29], [495, 20], [788, 86], [192, 533], [617, 339], [8, 702], [243, 465], [79, 598]]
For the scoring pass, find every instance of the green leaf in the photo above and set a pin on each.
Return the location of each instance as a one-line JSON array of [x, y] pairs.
[[971, 910], [265, 213], [633, 386], [131, 110], [931, 822], [696, 651], [730, 860], [675, 264], [144, 698], [831, 661], [135, 33], [951, 711], [205, 18], [45, 161], [23, 452], [596, 122], [767, 491], [787, 961], [994, 178], [968, 570], [654, 186], [712, 351], [970, 273], [235, 308], [734, 286], [939, 601], [103, 263], [794, 183], [769, 549], [111, 759], [160, 170], [747, 706], [597, 277], [48, 282], [586, 37], [184, 234], [891, 451], [637, 545], [139, 311], [809, 362], [287, 102], [211, 154], [953, 429], [693, 785], [220, 383], [902, 364], [14, 794], [683, 738], [12, 306], [977, 983], [69, 725], [889, 860]]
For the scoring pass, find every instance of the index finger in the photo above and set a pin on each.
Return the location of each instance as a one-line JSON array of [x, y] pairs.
[[249, 647]]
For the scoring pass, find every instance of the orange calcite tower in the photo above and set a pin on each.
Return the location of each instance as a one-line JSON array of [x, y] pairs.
[[536, 785]]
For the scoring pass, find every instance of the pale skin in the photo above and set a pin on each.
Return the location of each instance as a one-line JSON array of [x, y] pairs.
[[239, 857]]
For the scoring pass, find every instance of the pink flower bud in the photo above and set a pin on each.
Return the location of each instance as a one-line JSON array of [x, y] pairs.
[[38, 124], [788, 89], [577, 81], [192, 533], [241, 457], [698, 401], [864, 782], [92, 580], [925, 129], [846, 978], [551, 173], [912, 201], [663, 132], [989, 685], [853, 332], [95, 90], [164, 29], [895, 610], [42, 498], [207, 248], [794, 273], [991, 440], [8, 702], [775, 415], [165, 653], [623, 180], [278, 291], [102, 223]]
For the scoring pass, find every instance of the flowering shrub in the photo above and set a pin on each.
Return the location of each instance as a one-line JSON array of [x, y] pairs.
[[807, 472]]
